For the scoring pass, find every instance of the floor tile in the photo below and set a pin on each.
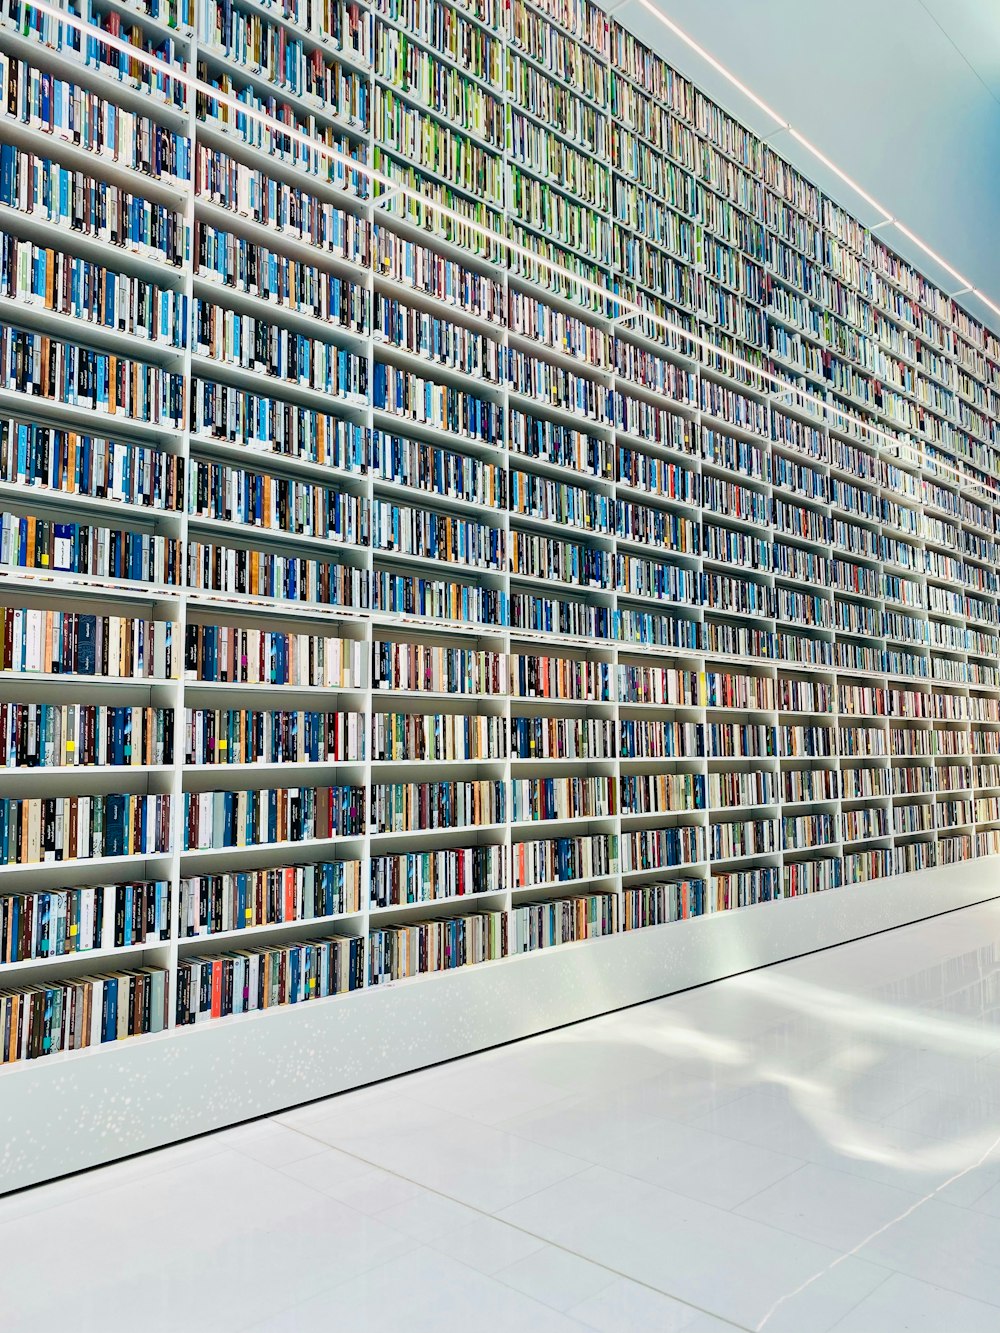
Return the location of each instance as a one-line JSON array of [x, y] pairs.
[[953, 1248], [271, 1144], [423, 1292], [555, 1277], [221, 1272], [328, 1171], [475, 1164], [373, 1191], [830, 1207], [487, 1089], [626, 1307], [673, 1243], [904, 1303], [487, 1245], [817, 1305], [425, 1216]]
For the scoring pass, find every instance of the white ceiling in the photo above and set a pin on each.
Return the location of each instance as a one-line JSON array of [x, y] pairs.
[[903, 95]]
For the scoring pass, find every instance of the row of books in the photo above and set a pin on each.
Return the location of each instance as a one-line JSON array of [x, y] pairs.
[[232, 338], [640, 738], [29, 542], [260, 978], [234, 415], [93, 51], [69, 921], [437, 536], [238, 654], [400, 806], [42, 1020], [282, 207], [452, 872], [438, 669], [541, 737], [737, 838], [50, 735], [269, 50], [73, 643], [423, 466], [437, 147], [229, 494], [439, 341], [563, 798], [424, 269], [48, 279], [249, 572], [61, 922], [215, 819], [542, 925], [525, 316], [269, 275], [744, 787], [912, 819], [806, 831], [653, 849], [83, 1012], [241, 900], [552, 860], [257, 130], [275, 736], [439, 599], [96, 381], [660, 793], [569, 616], [397, 952], [70, 828], [657, 528], [553, 442], [430, 737], [104, 211], [658, 903], [538, 497], [448, 30], [580, 174], [77, 115], [74, 464]]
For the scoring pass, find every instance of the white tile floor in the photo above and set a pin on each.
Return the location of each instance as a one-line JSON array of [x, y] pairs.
[[810, 1148]]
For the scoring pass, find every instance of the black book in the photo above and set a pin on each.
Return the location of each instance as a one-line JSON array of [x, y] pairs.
[[86, 645]]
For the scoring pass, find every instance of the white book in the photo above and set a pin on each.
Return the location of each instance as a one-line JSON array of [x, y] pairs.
[[34, 831], [33, 629], [108, 918], [96, 1010], [83, 838], [157, 632], [218, 818]]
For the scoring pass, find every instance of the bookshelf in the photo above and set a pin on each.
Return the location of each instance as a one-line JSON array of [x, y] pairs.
[[392, 590]]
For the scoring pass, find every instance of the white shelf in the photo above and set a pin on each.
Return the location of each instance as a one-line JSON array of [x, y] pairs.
[[184, 604]]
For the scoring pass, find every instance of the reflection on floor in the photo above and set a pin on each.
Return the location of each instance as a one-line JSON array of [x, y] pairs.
[[808, 1148]]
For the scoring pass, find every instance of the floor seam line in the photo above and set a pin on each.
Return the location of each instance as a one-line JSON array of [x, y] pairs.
[[524, 1231]]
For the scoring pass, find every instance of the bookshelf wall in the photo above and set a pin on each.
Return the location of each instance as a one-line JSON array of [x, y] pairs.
[[607, 540]]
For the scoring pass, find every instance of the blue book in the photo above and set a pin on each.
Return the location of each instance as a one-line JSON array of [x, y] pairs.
[[109, 1011], [8, 158], [114, 825]]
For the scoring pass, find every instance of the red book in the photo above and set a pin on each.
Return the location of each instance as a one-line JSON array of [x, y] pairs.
[[289, 893], [217, 988]]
